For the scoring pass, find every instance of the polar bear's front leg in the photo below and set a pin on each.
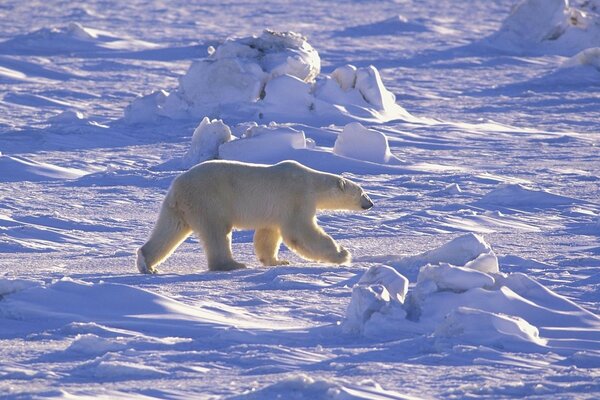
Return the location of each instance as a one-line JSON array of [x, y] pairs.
[[310, 241], [266, 246]]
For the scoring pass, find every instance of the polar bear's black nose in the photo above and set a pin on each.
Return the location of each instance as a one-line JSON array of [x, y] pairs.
[[365, 202]]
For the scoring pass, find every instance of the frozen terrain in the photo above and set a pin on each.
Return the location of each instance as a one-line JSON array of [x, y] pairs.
[[474, 127]]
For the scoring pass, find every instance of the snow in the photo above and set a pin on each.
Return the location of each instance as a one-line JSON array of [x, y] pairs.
[[474, 276]]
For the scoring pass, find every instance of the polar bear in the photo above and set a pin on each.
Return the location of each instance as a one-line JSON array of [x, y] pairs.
[[279, 202]]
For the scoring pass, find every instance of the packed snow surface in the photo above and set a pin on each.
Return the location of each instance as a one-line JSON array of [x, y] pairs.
[[473, 126]]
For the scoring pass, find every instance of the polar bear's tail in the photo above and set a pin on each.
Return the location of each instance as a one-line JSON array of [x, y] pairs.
[[168, 233]]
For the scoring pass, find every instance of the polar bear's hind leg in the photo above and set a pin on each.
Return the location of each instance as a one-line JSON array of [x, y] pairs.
[[216, 240], [168, 233], [266, 246]]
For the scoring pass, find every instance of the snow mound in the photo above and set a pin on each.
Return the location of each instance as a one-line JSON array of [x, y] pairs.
[[73, 37], [358, 142], [458, 304], [304, 387], [91, 344], [517, 195], [106, 369], [586, 58], [391, 26], [15, 169], [270, 77], [560, 27], [8, 286]]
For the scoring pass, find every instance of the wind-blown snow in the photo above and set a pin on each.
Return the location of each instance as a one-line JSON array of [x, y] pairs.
[[475, 275]]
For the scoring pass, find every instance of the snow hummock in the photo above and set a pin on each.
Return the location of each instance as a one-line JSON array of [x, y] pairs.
[[550, 27], [356, 141], [459, 304], [270, 77]]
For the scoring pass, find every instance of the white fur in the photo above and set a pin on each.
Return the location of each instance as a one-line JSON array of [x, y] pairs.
[[279, 202]]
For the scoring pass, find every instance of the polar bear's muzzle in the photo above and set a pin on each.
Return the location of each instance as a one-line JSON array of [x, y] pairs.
[[365, 202]]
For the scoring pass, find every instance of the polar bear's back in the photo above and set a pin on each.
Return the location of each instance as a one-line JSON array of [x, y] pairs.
[[246, 195]]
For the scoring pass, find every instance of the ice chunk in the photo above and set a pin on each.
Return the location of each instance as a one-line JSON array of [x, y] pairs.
[[345, 76], [395, 283], [207, 138], [286, 93], [458, 279], [370, 85], [470, 325], [146, 109], [263, 144], [356, 141], [461, 251]]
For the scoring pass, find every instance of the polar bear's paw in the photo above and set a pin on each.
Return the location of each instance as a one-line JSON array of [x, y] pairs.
[[342, 257], [141, 264], [273, 262], [228, 266]]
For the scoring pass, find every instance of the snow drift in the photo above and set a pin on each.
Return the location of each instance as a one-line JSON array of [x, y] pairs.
[[559, 27], [270, 77], [470, 302], [72, 38], [15, 169]]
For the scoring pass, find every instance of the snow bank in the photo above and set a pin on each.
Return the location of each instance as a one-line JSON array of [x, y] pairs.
[[73, 37], [358, 142], [15, 169], [473, 303], [270, 77], [550, 27], [517, 195]]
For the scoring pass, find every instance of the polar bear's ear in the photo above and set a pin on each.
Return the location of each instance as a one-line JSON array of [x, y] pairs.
[[342, 184]]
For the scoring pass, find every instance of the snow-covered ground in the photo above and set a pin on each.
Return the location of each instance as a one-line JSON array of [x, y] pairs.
[[474, 127]]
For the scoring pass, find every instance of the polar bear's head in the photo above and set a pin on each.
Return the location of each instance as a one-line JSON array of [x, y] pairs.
[[346, 195]]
